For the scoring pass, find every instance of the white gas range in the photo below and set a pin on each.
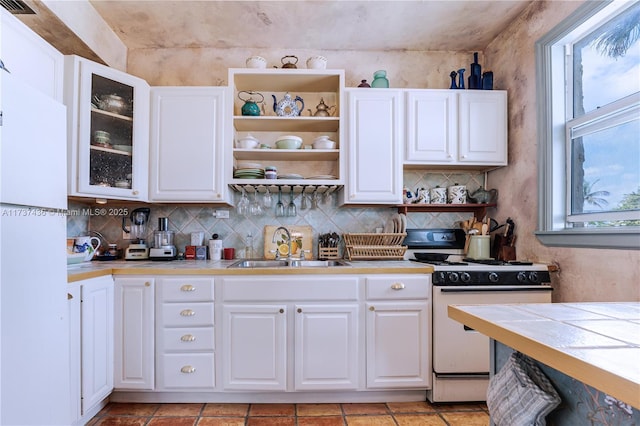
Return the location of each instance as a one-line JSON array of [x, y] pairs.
[[460, 355]]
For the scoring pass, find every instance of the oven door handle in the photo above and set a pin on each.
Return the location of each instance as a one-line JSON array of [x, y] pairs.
[[495, 289]]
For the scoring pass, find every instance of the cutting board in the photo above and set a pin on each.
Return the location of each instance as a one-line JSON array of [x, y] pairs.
[[302, 237]]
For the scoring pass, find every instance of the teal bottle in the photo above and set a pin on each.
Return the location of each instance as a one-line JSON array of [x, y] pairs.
[[380, 79]]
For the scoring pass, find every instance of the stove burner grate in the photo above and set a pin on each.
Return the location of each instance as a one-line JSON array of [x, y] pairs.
[[441, 262], [498, 262]]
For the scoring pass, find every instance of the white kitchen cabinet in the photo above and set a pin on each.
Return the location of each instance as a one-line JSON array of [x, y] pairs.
[[116, 167], [185, 338], [398, 329], [461, 128], [375, 131], [282, 335], [255, 347], [97, 340], [326, 346], [134, 332], [75, 351], [30, 58], [189, 130]]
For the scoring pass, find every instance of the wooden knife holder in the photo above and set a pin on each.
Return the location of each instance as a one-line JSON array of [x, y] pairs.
[[502, 249]]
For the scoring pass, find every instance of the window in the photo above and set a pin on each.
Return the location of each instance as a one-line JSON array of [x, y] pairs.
[[588, 76]]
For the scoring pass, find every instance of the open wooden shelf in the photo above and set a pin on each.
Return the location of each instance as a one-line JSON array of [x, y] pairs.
[[479, 210]]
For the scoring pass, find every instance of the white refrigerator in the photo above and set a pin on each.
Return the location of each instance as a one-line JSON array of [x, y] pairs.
[[34, 323]]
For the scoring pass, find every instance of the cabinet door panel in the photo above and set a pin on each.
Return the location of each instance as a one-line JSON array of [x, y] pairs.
[[255, 347], [398, 345], [187, 140], [431, 126], [97, 341], [375, 132], [326, 347], [483, 127], [134, 326]]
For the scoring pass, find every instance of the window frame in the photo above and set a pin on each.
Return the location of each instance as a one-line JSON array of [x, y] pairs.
[[552, 145]]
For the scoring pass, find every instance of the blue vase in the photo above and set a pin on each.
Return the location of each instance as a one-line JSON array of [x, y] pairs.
[[380, 79]]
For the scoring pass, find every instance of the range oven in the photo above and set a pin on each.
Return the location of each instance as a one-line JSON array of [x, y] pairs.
[[460, 355]]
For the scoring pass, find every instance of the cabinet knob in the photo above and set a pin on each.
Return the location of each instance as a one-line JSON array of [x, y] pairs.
[[188, 369], [69, 296], [135, 192], [299, 310], [372, 308], [187, 287], [281, 311], [188, 338], [397, 286], [147, 284], [187, 313]]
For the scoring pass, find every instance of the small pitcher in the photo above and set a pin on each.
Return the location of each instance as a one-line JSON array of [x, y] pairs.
[[87, 245]]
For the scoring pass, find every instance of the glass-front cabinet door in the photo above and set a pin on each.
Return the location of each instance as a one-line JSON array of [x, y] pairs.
[[109, 151]]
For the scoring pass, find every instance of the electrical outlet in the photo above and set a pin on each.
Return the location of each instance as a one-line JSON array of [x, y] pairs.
[[222, 214]]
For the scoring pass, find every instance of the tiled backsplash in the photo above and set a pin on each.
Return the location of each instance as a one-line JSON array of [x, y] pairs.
[[328, 217]]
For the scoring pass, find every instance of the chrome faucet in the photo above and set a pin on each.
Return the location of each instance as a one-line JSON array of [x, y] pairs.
[[273, 240]]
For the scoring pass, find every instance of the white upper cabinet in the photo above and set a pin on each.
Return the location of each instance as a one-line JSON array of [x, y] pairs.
[[188, 134], [375, 131], [461, 128], [108, 131], [30, 58]]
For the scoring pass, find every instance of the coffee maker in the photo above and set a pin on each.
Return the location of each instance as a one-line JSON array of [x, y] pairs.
[[138, 249], [163, 248]]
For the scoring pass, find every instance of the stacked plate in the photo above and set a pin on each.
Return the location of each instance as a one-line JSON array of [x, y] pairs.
[[290, 176], [249, 171], [321, 177]]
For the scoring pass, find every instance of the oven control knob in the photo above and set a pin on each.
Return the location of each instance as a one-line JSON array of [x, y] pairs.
[[453, 277], [441, 277], [465, 277], [533, 277], [493, 277], [522, 277]]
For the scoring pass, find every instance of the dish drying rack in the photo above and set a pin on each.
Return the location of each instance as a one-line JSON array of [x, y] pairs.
[[375, 246]]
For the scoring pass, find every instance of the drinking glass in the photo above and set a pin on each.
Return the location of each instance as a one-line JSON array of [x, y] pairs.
[[243, 205], [279, 205], [303, 203], [256, 207], [291, 208], [267, 200], [314, 199]]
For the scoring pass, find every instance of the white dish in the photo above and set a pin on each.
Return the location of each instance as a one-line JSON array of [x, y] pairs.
[[246, 165], [288, 137], [320, 177]]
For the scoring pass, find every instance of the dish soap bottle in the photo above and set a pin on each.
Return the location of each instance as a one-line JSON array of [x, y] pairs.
[[248, 247], [380, 79]]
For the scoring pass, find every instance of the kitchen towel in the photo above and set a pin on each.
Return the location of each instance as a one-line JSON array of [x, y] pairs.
[[520, 394]]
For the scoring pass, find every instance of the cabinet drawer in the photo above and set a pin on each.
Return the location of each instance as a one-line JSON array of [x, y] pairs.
[[188, 339], [187, 314], [185, 289], [399, 287], [188, 371], [294, 288]]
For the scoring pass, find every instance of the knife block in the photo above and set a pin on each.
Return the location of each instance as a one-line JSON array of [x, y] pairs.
[[502, 250]]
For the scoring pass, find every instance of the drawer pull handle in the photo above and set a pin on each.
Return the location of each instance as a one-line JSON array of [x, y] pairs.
[[188, 338], [187, 287], [397, 286], [187, 313], [187, 369]]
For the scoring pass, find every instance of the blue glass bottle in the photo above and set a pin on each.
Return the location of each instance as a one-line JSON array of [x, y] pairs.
[[380, 79]]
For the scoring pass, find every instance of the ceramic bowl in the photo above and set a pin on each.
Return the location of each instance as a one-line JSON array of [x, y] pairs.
[[317, 62], [125, 148], [256, 62], [323, 142], [248, 142], [289, 142]]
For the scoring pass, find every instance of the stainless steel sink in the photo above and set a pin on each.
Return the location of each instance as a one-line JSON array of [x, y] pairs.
[[317, 263], [250, 263], [287, 263]]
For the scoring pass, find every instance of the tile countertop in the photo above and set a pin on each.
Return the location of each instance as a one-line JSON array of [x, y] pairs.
[[595, 343], [87, 270]]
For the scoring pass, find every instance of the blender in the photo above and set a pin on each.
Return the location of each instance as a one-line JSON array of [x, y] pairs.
[[138, 249], [163, 248]]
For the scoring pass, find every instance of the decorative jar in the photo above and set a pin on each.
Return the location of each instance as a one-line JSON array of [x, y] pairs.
[[380, 79]]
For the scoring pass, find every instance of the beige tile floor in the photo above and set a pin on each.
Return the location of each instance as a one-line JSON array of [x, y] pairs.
[[371, 414]]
